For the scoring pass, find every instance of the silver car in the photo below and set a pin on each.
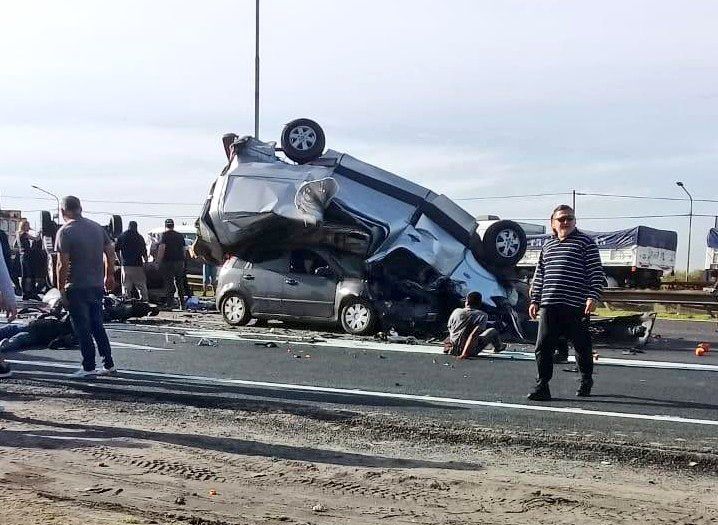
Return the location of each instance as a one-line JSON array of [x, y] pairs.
[[309, 284]]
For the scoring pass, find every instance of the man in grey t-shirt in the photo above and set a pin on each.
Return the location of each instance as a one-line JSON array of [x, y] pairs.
[[467, 330], [82, 245]]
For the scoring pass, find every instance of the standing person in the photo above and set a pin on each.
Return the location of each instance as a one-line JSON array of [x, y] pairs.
[[467, 330], [7, 305], [171, 255], [209, 277], [23, 242], [132, 250], [566, 287], [81, 244], [9, 260]]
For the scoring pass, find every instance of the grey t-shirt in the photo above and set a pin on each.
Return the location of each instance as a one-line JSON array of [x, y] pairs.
[[84, 241], [463, 321]]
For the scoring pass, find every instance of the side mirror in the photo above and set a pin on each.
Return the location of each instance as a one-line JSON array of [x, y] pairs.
[[325, 271]]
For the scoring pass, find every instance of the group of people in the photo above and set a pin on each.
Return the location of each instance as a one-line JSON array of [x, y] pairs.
[[26, 261], [565, 289], [564, 292], [85, 270]]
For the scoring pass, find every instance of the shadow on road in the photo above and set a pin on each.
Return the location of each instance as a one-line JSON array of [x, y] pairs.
[[72, 435]]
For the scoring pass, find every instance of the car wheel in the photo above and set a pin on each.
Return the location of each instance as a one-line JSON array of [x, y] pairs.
[[358, 317], [302, 140], [235, 310], [504, 243]]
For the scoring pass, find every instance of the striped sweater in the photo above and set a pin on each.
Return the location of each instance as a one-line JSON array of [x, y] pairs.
[[568, 272]]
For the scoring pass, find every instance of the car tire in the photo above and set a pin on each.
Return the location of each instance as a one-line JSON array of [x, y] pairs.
[[504, 243], [235, 310], [303, 140], [358, 317]]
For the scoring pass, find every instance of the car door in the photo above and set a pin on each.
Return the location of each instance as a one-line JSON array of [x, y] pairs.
[[263, 277], [307, 294]]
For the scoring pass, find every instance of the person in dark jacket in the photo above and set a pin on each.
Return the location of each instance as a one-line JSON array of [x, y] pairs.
[[23, 244], [171, 255], [566, 286], [48, 330], [132, 250]]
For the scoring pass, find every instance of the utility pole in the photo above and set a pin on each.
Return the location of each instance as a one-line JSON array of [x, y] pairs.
[[690, 228], [573, 201], [256, 71]]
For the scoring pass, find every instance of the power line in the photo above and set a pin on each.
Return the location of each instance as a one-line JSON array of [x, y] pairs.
[[101, 201], [646, 197], [511, 196]]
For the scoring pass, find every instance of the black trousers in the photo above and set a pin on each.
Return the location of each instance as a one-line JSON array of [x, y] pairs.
[[557, 321], [173, 272]]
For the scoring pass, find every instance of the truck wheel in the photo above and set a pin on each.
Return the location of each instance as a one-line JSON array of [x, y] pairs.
[[235, 309], [504, 243], [302, 140], [358, 317]]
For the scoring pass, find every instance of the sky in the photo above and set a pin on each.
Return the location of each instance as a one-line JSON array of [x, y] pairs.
[[127, 101]]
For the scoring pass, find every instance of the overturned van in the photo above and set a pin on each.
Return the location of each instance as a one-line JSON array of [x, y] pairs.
[[421, 252]]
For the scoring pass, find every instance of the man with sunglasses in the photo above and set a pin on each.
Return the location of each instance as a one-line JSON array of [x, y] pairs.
[[566, 286]]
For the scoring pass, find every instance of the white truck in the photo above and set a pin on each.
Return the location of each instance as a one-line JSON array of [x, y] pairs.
[[711, 266], [633, 258]]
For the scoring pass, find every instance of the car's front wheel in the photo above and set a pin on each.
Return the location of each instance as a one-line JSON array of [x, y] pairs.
[[358, 317], [235, 309]]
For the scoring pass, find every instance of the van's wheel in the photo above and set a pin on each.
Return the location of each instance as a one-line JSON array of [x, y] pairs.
[[358, 317], [235, 310], [303, 140], [504, 243]]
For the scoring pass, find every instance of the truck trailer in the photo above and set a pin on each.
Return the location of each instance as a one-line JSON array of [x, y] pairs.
[[632, 258]]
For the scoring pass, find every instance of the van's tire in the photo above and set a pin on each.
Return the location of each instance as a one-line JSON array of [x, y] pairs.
[[303, 140], [358, 317], [235, 309], [504, 243]]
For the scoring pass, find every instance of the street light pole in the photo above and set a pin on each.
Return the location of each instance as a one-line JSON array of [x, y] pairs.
[[256, 71], [38, 188], [690, 227]]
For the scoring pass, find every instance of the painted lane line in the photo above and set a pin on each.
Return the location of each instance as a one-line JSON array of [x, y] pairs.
[[429, 349], [137, 347], [390, 395]]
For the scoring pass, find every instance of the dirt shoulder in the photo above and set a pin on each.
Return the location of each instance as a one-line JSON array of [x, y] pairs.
[[68, 458]]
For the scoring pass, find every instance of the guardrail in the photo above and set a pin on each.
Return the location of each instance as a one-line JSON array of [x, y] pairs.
[[688, 298]]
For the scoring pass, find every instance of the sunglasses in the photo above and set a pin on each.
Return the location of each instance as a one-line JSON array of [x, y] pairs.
[[566, 218]]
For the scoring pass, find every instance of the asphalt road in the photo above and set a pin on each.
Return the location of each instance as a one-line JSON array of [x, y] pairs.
[[664, 395]]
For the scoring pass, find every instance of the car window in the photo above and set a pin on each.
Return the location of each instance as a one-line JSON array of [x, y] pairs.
[[305, 262], [273, 260]]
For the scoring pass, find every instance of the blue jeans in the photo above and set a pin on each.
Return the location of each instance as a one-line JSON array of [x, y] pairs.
[[85, 307]]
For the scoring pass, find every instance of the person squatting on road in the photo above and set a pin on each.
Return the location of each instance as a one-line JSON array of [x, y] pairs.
[[7, 305], [132, 250], [467, 330], [81, 245], [566, 286], [171, 255]]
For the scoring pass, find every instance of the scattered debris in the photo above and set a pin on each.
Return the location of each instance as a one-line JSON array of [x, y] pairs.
[[180, 500], [319, 508], [205, 341], [267, 344], [213, 492]]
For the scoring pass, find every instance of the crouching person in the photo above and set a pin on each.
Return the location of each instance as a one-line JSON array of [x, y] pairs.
[[468, 334]]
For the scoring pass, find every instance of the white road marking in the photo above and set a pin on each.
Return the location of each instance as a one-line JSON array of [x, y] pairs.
[[412, 349], [384, 395], [137, 347]]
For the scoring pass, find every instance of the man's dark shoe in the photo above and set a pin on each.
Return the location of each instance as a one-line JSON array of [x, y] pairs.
[[584, 389], [560, 358], [540, 394]]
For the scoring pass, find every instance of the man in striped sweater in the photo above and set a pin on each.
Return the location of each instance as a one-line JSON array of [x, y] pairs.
[[566, 287]]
